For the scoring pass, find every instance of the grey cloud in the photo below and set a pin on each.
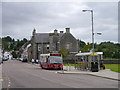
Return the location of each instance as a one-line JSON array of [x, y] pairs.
[[0, 19], [20, 18]]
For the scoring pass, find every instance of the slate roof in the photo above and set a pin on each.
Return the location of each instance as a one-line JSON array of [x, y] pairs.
[[66, 36], [44, 37], [41, 37]]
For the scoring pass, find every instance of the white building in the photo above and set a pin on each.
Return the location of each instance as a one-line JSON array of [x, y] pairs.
[[7, 55], [24, 55]]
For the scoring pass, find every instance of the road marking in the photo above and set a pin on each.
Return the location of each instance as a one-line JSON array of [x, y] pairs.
[[9, 83]]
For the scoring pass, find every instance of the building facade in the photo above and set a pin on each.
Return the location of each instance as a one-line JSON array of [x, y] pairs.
[[42, 43]]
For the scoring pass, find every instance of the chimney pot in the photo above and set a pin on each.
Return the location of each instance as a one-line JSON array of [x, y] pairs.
[[55, 31], [61, 31], [67, 30], [34, 31]]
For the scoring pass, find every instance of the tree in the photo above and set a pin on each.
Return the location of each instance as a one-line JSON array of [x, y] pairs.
[[87, 48], [9, 44], [109, 49], [82, 44], [24, 40], [14, 54], [64, 53], [7, 39]]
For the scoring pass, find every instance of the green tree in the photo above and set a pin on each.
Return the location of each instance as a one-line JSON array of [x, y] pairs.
[[9, 44], [7, 39], [82, 44], [87, 48], [64, 53], [109, 49], [15, 55]]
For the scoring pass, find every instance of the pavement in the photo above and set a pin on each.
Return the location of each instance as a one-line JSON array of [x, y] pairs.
[[107, 73]]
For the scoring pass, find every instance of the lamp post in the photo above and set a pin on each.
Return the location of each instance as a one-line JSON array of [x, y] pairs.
[[92, 28], [92, 33]]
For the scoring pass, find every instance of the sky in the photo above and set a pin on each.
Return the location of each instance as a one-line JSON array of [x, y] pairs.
[[20, 18]]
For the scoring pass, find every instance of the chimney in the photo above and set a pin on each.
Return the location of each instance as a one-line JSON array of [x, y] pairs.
[[61, 31], [67, 30], [34, 31], [55, 31]]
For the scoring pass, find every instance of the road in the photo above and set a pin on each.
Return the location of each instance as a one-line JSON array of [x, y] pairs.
[[17, 74]]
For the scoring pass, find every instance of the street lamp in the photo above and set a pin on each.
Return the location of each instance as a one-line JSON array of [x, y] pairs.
[[99, 33], [92, 28], [92, 35]]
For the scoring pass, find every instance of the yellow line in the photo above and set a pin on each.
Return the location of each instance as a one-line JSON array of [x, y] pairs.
[[9, 83], [1, 80]]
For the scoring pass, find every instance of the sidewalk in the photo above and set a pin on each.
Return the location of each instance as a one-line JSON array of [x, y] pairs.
[[107, 73]]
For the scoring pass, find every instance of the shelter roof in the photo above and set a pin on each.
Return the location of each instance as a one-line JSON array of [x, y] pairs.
[[89, 54]]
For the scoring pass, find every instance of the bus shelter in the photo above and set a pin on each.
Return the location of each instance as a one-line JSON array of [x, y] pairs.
[[89, 61]]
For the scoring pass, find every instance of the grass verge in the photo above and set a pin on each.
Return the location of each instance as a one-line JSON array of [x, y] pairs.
[[113, 67]]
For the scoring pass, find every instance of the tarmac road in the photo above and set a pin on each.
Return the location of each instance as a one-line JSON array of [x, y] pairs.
[[16, 74]]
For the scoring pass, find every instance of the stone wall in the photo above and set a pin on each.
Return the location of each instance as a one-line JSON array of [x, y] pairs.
[[69, 43]]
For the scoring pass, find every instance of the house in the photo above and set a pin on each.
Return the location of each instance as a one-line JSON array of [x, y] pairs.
[[42, 43], [23, 51]]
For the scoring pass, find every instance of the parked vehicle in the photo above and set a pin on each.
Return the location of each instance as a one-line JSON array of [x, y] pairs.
[[20, 59], [5, 59], [51, 61], [24, 60]]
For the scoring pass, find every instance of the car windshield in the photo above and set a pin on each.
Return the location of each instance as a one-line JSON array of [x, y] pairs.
[[55, 59]]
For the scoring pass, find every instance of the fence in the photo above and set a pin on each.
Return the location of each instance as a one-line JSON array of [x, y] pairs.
[[73, 61], [111, 61]]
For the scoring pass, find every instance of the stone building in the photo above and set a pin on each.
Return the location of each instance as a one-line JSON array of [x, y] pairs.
[[42, 43]]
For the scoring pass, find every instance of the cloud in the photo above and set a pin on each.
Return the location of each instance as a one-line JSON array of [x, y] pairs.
[[19, 19]]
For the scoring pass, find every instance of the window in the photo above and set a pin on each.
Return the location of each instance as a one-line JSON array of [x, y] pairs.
[[39, 47], [47, 46], [55, 59], [69, 45]]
